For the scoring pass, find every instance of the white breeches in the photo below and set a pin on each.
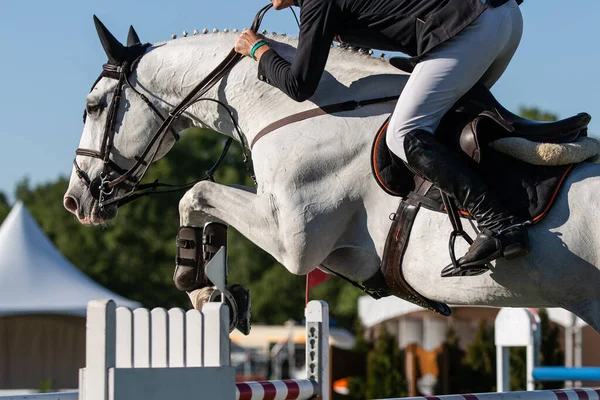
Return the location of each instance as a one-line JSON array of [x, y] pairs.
[[480, 53]]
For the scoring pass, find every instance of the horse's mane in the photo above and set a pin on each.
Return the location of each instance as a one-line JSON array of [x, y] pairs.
[[343, 55]]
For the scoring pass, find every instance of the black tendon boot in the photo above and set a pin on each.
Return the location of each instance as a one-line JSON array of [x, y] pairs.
[[501, 233]]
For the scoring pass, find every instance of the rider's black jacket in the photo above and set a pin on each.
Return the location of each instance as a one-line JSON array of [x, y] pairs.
[[413, 27]]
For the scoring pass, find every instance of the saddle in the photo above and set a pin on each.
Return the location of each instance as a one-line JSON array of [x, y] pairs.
[[476, 119]]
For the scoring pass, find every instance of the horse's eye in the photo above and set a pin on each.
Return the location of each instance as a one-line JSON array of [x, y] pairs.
[[92, 109]]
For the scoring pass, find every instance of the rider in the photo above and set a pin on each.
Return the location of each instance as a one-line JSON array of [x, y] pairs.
[[458, 43]]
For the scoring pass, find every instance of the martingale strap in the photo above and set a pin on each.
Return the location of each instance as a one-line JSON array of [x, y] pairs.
[[318, 111]]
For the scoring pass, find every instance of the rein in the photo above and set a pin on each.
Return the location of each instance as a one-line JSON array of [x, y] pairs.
[[103, 186]]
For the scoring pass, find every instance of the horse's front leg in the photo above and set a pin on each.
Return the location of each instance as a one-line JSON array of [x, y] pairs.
[[253, 215], [276, 228]]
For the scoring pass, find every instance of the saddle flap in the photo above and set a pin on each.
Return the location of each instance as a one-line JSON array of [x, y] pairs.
[[476, 135], [469, 142]]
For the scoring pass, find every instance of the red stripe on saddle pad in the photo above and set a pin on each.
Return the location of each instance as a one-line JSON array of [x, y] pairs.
[[551, 202], [374, 155]]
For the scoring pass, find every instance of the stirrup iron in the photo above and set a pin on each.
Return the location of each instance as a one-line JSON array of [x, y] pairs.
[[455, 269]]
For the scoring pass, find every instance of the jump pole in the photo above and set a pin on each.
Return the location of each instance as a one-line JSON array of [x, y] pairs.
[[558, 394]]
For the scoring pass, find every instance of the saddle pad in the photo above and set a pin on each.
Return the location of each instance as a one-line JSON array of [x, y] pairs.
[[391, 173], [526, 190]]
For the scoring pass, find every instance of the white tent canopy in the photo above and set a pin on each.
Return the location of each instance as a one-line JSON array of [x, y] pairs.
[[35, 278]]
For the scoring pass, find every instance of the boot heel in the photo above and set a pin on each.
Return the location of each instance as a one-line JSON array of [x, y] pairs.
[[515, 250]]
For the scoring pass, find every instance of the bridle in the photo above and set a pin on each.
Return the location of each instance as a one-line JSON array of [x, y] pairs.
[[112, 176]]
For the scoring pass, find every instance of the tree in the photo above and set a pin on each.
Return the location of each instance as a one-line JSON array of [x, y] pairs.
[[550, 352], [536, 114], [455, 373], [480, 359], [357, 385], [4, 207], [384, 369]]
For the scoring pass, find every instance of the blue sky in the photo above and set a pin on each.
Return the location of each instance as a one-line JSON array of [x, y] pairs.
[[51, 55]]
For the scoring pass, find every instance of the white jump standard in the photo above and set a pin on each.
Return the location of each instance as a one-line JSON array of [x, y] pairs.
[[179, 355], [173, 354], [519, 327]]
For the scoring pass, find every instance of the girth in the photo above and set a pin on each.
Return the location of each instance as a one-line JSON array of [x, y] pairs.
[[395, 248]]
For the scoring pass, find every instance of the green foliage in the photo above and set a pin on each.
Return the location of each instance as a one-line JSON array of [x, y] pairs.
[[357, 385], [342, 298], [46, 386], [473, 370], [4, 207], [536, 114], [458, 379], [550, 352], [481, 360], [278, 296], [518, 368], [384, 369], [361, 344]]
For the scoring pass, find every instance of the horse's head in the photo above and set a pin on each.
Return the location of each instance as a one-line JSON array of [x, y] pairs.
[[120, 137]]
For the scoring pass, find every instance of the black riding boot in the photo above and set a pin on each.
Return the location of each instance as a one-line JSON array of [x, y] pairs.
[[501, 233]]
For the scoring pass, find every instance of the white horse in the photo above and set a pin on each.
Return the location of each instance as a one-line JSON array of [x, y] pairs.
[[316, 200]]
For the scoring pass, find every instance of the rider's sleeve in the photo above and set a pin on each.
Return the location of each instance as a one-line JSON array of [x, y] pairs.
[[299, 80]]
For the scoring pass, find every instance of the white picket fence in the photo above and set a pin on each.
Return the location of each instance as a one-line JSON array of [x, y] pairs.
[[173, 354]]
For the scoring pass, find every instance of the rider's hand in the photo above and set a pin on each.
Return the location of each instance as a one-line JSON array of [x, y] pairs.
[[244, 42]]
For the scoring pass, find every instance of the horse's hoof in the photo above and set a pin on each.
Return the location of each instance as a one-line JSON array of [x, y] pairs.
[[200, 297]]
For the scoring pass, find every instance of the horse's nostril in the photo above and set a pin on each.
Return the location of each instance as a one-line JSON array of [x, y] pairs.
[[70, 204]]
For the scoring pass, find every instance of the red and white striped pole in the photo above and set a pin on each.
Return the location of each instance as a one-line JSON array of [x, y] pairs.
[[557, 394], [289, 389]]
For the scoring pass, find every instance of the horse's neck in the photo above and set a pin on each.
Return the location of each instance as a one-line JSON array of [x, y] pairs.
[[170, 72]]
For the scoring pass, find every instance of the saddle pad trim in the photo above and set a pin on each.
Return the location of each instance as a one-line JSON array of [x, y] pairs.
[[374, 164], [551, 202]]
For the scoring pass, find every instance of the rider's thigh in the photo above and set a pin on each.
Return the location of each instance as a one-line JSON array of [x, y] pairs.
[[495, 71], [450, 70]]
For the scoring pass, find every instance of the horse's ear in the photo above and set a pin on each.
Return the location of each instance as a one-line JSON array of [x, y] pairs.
[[132, 37], [114, 50]]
